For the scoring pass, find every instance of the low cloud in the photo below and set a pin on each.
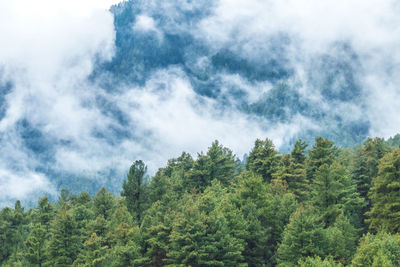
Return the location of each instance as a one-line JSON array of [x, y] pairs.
[[58, 120]]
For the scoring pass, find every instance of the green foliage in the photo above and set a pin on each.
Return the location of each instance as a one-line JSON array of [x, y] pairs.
[[65, 241], [298, 152], [303, 237], [134, 189], [219, 163], [201, 234], [366, 164], [35, 244], [322, 152], [385, 195], [341, 240], [382, 249], [318, 262], [333, 192], [104, 203], [210, 212], [294, 174], [263, 159]]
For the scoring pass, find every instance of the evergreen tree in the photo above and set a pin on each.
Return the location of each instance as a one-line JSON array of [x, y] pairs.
[[219, 163], [341, 240], [322, 152], [295, 176], [44, 212], [7, 234], [104, 203], [263, 159], [201, 236], [65, 242], [35, 244], [126, 251], [303, 237], [298, 152], [385, 195], [266, 211], [13, 232], [382, 249], [333, 192], [156, 229], [365, 168], [93, 253], [133, 190]]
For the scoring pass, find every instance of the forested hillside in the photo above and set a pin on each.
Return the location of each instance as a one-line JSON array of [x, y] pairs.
[[315, 206]]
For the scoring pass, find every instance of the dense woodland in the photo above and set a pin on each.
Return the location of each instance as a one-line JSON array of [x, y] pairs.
[[315, 206]]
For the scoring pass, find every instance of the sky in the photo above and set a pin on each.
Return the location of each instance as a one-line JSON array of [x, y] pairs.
[[54, 121]]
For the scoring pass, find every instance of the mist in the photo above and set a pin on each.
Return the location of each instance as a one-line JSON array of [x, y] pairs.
[[77, 108]]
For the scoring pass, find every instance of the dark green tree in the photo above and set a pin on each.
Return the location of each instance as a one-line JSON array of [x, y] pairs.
[[323, 152], [365, 168], [263, 159], [318, 262], [382, 249], [303, 237], [219, 163], [201, 233], [294, 174], [35, 245], [133, 189], [104, 203], [385, 195], [7, 234], [298, 153], [342, 239], [65, 241], [334, 192], [44, 212], [266, 210]]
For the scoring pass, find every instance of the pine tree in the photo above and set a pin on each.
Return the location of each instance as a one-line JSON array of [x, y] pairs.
[[7, 234], [263, 159], [298, 152], [303, 237], [342, 239], [333, 192], [322, 152], [385, 195], [201, 235], [365, 168], [35, 244], [155, 230], [294, 175], [219, 163], [382, 249], [44, 212], [104, 203], [65, 242], [133, 190], [266, 210], [126, 251]]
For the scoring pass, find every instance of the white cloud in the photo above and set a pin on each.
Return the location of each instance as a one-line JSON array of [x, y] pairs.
[[371, 28], [179, 120], [22, 185], [144, 23], [49, 49]]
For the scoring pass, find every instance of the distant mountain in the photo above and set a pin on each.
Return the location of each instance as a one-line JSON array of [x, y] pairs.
[[152, 36]]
